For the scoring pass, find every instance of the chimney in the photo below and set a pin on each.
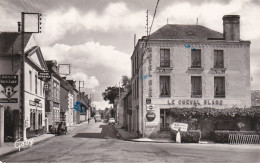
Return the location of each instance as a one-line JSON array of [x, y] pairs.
[[231, 27], [19, 26]]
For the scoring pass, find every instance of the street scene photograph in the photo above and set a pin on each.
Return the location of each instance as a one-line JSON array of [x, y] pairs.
[[129, 81]]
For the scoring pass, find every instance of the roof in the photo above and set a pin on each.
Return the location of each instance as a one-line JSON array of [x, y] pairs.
[[10, 42], [194, 32]]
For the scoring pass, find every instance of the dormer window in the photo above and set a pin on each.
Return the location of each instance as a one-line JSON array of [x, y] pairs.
[[195, 58]]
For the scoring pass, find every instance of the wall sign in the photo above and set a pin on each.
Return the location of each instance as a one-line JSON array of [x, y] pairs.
[[150, 116], [149, 70], [195, 102], [176, 126], [9, 82]]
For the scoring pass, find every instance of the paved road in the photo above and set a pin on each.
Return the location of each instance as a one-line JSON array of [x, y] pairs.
[[98, 142]]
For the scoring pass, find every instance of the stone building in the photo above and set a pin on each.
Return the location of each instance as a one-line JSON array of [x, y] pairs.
[[188, 66]]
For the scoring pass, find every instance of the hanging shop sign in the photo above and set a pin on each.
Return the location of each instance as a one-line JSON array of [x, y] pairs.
[[176, 126], [149, 107], [8, 82], [150, 116], [148, 101], [44, 75]]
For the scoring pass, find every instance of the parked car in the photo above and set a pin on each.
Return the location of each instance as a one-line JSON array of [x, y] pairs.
[[111, 121], [97, 118], [58, 128]]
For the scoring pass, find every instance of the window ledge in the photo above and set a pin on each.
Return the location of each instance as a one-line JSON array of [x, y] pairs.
[[216, 68], [196, 68], [165, 95], [196, 96], [167, 68], [219, 96]]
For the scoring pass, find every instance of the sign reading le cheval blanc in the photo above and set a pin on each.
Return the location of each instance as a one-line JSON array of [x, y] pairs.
[[195, 102]]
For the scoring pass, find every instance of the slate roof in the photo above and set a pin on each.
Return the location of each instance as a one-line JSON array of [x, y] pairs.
[[10, 42], [193, 32]]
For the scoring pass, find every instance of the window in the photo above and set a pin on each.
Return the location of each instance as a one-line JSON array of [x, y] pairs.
[[41, 87], [36, 84], [32, 119], [218, 59], [40, 119], [219, 86], [165, 86], [137, 87], [164, 57], [164, 119], [30, 73], [132, 68], [196, 84], [195, 58]]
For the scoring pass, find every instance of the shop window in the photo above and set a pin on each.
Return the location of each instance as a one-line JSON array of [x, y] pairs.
[[165, 119], [164, 57], [219, 86], [165, 86], [196, 86], [218, 59], [196, 58]]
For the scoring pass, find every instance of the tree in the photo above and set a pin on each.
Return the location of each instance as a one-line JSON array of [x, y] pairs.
[[126, 82], [110, 94]]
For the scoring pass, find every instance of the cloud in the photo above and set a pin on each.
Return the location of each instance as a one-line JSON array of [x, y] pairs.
[[210, 15], [101, 105], [89, 82], [98, 65], [116, 16]]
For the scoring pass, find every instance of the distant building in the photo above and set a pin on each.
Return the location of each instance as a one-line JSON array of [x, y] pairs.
[[188, 66], [52, 103]]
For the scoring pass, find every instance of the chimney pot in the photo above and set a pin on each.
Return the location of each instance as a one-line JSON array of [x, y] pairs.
[[231, 27]]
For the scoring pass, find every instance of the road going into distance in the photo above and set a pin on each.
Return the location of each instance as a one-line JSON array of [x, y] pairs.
[[98, 142]]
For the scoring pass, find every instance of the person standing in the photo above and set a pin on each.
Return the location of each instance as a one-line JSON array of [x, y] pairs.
[[178, 136]]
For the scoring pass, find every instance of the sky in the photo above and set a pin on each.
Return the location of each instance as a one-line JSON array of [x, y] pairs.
[[97, 36]]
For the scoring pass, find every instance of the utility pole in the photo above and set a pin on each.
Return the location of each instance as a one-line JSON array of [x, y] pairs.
[[22, 129]]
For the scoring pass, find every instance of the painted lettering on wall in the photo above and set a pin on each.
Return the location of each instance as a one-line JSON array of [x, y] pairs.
[[195, 102], [22, 144], [149, 70]]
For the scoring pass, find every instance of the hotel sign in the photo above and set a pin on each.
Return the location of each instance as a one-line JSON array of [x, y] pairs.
[[195, 102]]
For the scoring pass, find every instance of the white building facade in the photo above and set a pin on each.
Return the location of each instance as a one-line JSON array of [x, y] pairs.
[[189, 66]]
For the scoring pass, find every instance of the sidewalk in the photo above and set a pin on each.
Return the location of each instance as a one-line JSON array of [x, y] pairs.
[[8, 147]]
